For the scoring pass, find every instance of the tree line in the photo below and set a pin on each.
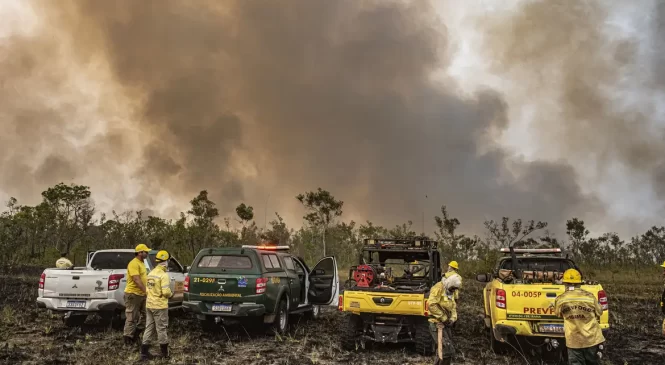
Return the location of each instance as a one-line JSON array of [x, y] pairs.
[[66, 221]]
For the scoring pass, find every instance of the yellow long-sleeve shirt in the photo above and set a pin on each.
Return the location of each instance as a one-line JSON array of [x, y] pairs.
[[159, 289], [441, 308], [580, 312]]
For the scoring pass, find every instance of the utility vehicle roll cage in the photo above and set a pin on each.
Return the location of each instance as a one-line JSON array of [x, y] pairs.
[[418, 248]]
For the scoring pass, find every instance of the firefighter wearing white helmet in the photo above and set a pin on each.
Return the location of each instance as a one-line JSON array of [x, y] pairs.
[[453, 270], [157, 307], [580, 311], [443, 313]]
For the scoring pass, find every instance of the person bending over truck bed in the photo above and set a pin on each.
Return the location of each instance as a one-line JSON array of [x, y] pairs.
[[443, 313]]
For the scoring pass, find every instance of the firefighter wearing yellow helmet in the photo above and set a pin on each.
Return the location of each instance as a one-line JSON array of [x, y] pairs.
[[135, 293], [157, 307], [453, 268], [662, 299], [580, 311]]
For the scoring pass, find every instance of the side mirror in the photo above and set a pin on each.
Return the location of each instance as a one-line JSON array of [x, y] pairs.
[[483, 278]]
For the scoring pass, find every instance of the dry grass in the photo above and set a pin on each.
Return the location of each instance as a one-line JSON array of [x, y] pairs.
[[31, 336]]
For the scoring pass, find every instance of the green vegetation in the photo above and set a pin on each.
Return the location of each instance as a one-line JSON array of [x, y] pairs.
[[65, 221]]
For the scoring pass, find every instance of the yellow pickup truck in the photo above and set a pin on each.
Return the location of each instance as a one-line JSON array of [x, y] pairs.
[[386, 294], [519, 300]]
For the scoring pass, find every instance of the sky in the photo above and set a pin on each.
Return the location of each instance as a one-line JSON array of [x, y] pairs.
[[528, 109]]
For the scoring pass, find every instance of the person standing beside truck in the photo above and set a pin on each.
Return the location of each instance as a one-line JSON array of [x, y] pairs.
[[135, 294], [63, 262], [580, 311], [453, 269], [157, 307], [443, 313]]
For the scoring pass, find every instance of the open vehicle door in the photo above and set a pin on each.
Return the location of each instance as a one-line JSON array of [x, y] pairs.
[[324, 282]]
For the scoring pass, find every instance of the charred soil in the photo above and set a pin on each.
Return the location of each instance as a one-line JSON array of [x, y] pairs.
[[32, 336]]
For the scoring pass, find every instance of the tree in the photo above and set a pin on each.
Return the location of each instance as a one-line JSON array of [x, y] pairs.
[[203, 228], [577, 234], [72, 210], [245, 213], [323, 209], [506, 235]]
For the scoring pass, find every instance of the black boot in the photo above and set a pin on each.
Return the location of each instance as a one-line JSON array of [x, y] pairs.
[[128, 340], [145, 352], [165, 351]]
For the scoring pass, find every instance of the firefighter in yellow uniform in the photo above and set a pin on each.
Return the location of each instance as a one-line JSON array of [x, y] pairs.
[[63, 262], [453, 269], [137, 277], [581, 312], [443, 313], [157, 307], [662, 299]]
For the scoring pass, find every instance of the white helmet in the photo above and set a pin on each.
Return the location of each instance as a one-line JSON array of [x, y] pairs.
[[452, 282]]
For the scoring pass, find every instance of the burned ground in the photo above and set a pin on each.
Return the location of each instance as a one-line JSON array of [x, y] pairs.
[[31, 336]]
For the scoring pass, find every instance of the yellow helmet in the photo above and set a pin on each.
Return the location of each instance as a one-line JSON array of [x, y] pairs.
[[162, 256], [141, 248], [663, 265], [454, 265], [572, 276]]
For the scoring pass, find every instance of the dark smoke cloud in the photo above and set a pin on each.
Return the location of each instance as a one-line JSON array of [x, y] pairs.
[[246, 98]]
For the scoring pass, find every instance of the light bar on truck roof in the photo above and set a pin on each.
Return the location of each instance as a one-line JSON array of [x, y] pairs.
[[269, 248], [532, 250]]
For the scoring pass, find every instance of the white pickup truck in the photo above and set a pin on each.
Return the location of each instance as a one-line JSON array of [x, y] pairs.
[[99, 286]]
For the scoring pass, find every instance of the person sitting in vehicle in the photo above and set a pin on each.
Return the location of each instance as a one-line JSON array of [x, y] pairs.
[[414, 269]]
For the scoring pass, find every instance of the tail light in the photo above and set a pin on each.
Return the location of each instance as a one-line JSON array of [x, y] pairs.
[[426, 308], [501, 298], [42, 280], [340, 303], [602, 299], [185, 286], [114, 281], [261, 285]]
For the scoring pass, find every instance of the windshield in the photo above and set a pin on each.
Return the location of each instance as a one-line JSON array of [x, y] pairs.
[[538, 264], [111, 260]]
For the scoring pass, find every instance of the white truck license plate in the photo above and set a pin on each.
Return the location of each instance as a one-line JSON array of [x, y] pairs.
[[551, 328], [222, 307], [75, 304]]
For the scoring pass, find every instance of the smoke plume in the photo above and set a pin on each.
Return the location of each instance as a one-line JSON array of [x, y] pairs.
[[149, 102]]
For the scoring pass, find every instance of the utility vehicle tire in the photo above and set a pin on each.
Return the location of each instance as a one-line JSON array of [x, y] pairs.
[[351, 332], [281, 323], [496, 346], [74, 320], [315, 313], [425, 344]]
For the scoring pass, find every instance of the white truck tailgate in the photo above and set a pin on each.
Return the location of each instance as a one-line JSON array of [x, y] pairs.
[[85, 284]]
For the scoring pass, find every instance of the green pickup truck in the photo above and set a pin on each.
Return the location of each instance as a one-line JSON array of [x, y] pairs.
[[260, 284]]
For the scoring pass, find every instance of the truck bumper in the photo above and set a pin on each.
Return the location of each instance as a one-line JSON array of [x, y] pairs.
[[506, 329], [91, 305], [202, 309]]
